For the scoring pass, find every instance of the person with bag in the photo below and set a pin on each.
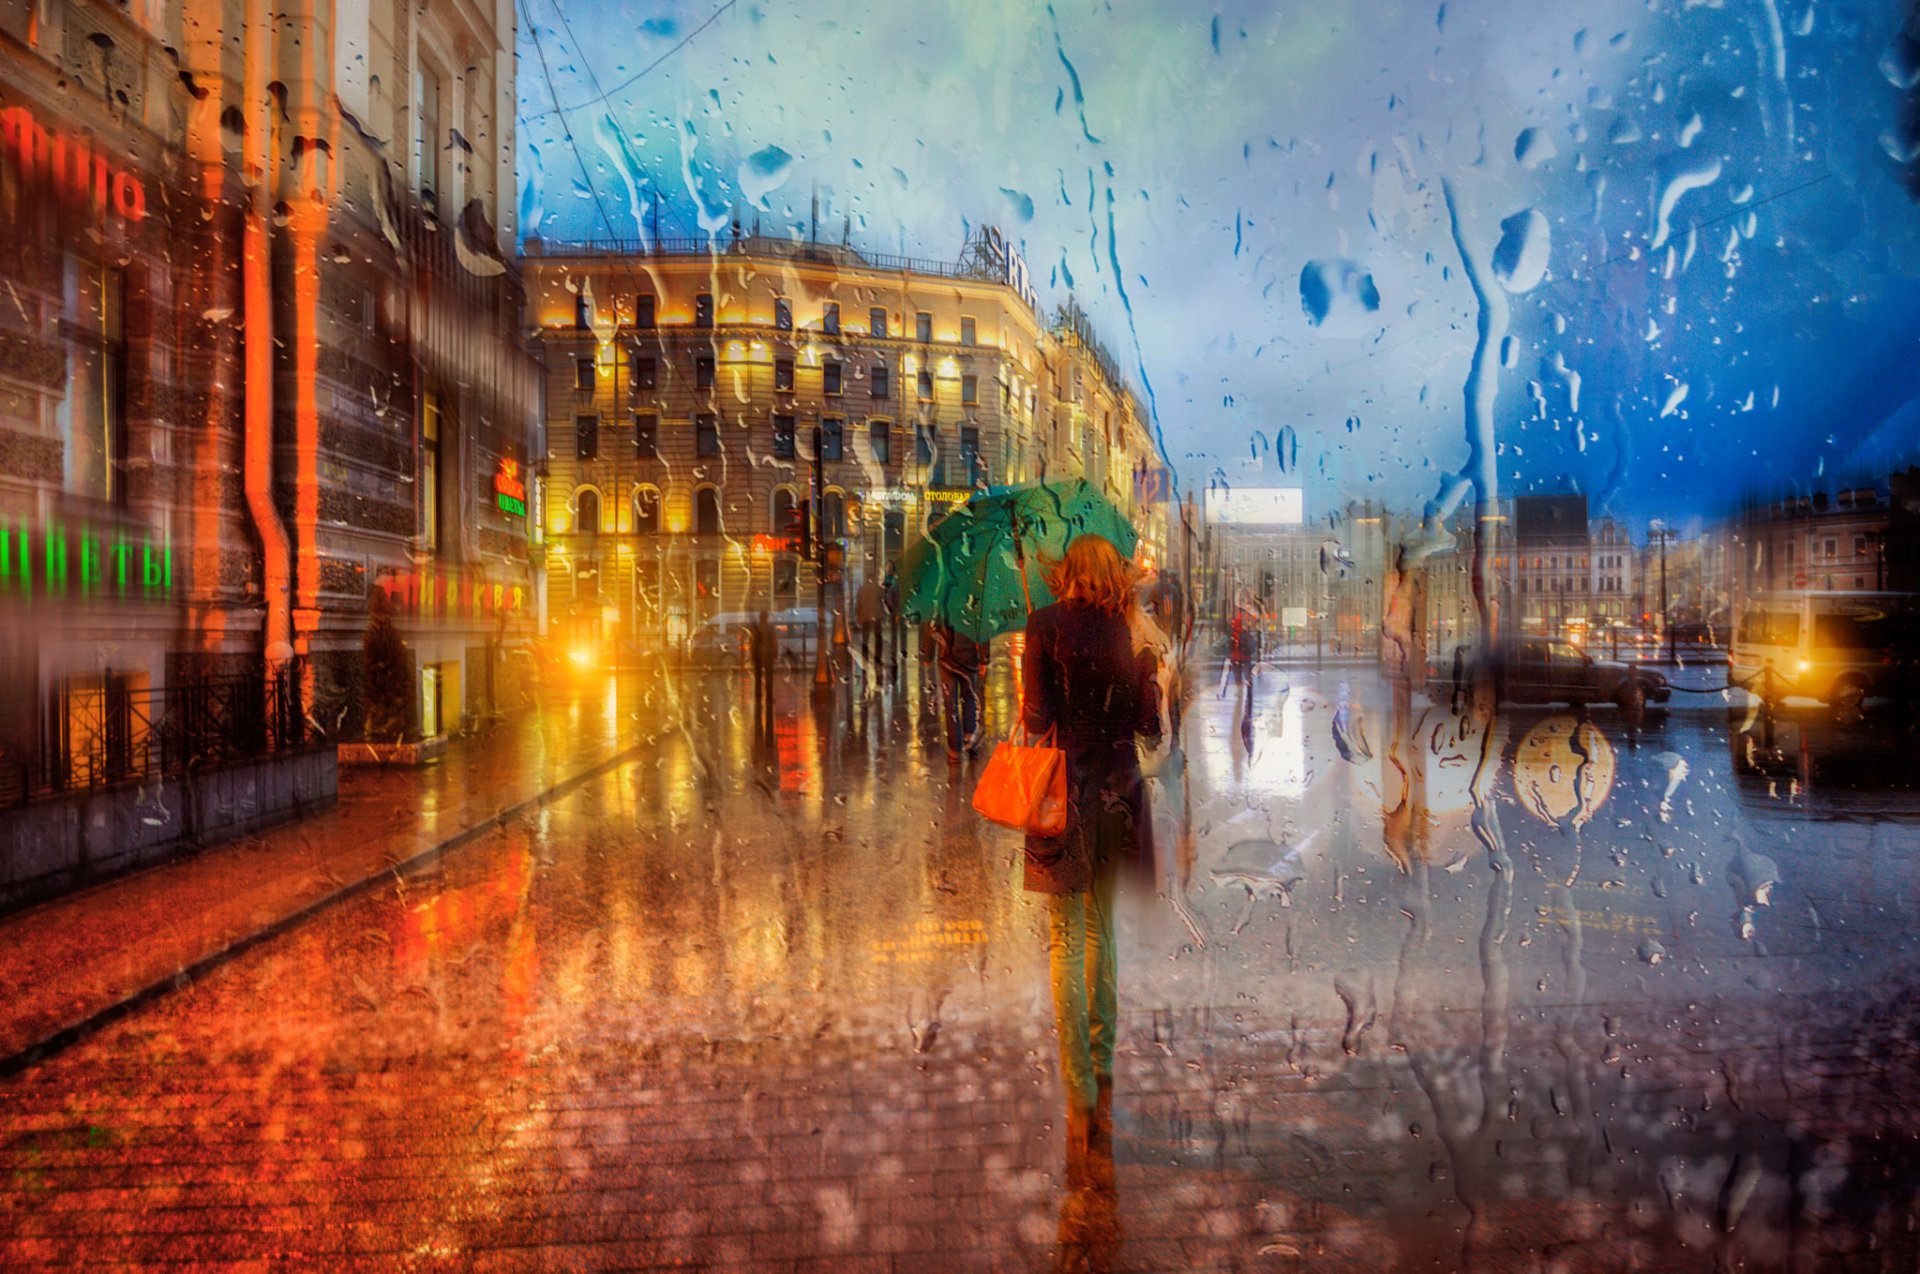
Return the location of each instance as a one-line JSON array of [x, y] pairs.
[[1085, 683]]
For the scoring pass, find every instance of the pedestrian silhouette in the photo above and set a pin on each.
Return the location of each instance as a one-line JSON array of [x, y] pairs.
[[763, 644]]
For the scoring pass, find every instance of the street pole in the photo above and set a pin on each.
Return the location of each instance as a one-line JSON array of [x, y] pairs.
[[1666, 620], [822, 638]]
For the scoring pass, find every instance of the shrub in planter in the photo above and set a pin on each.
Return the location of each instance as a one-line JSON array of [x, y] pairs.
[[389, 676]]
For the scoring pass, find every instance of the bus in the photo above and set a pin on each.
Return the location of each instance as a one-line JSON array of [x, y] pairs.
[[1837, 647]]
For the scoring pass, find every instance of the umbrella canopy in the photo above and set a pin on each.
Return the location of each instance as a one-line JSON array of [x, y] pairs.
[[966, 572]]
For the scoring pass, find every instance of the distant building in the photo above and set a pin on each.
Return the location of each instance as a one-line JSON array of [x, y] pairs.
[[687, 381]]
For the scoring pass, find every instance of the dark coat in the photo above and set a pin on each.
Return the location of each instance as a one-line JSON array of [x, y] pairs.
[[1082, 678]]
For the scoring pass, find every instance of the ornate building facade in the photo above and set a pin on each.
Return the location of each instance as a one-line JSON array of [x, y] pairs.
[[707, 402]]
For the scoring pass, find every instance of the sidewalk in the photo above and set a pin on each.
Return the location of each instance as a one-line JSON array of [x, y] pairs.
[[77, 962]]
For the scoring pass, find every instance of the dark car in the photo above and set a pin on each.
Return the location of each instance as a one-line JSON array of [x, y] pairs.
[[1537, 670]]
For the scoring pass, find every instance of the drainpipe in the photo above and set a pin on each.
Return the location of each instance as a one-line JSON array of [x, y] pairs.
[[257, 294]]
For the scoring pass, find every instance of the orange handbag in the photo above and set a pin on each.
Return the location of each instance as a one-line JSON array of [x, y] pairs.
[[1025, 787]]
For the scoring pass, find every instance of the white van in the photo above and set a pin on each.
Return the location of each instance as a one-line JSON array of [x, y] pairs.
[[1836, 647]]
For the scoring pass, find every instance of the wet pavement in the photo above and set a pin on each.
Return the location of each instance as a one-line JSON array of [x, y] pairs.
[[776, 1001]]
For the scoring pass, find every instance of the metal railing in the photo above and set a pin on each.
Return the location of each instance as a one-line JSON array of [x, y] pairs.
[[102, 732]]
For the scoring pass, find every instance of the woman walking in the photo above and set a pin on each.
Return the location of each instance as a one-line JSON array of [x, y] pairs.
[[1084, 680]]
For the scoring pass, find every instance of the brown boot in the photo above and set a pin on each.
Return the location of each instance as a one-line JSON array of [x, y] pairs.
[[1079, 1129], [1100, 1167]]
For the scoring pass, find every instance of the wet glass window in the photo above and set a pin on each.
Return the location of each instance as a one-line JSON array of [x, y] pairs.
[[880, 438], [703, 309], [643, 311], [645, 372], [1770, 626], [830, 376], [586, 436], [783, 436], [587, 511], [783, 373], [970, 389], [924, 440], [646, 436], [782, 314], [925, 385], [706, 511], [832, 438], [1867, 630], [646, 511], [830, 318], [703, 371], [967, 330], [877, 321], [707, 435], [585, 374], [923, 327]]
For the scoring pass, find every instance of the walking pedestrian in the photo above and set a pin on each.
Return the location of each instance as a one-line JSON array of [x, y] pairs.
[[763, 645], [962, 665], [866, 615], [1084, 681]]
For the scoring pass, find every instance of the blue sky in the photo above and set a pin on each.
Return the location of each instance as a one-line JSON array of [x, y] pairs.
[[1710, 253]]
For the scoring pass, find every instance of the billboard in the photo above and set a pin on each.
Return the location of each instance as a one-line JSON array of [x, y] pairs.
[[1256, 506]]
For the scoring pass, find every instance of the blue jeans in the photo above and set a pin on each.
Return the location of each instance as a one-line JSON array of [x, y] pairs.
[[959, 706], [1085, 999]]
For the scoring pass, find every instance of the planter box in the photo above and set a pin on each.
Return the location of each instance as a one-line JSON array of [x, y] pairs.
[[418, 753]]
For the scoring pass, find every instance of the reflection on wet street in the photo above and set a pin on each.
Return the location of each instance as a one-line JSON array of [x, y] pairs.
[[772, 996]]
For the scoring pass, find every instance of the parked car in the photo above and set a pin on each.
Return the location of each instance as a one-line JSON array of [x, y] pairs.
[[1539, 670], [722, 639]]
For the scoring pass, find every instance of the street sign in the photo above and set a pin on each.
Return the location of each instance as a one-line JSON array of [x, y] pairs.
[[1293, 617]]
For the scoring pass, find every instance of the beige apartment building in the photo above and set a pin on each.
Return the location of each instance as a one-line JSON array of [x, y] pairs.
[[696, 394]]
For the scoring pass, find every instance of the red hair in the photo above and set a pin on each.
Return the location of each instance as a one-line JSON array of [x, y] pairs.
[[1092, 571]]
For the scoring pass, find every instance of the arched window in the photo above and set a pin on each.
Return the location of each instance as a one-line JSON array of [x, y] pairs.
[[833, 516], [784, 507], [586, 517], [706, 511], [646, 511]]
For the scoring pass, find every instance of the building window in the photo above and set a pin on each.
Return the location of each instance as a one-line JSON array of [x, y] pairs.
[[833, 516], [643, 311], [880, 438], [706, 511], [646, 373], [582, 310], [586, 519], [91, 421], [782, 314], [1859, 546], [832, 438], [877, 320], [783, 374], [970, 390], [703, 371], [706, 588], [923, 326], [430, 471], [923, 443], [1833, 548], [584, 374], [830, 377], [881, 386], [970, 453], [426, 140], [830, 318], [786, 513], [783, 437], [646, 511], [926, 385], [706, 433], [586, 436], [703, 310], [586, 580], [966, 331], [646, 436]]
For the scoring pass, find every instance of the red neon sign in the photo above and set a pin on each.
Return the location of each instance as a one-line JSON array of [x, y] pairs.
[[81, 173], [509, 490]]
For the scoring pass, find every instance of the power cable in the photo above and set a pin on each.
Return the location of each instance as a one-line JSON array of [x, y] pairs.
[[637, 76]]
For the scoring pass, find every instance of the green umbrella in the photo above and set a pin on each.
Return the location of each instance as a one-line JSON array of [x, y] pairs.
[[967, 572]]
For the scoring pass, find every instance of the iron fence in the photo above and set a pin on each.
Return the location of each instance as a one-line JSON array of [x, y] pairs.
[[103, 731]]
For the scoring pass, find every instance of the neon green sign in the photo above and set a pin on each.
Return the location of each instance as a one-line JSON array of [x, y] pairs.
[[84, 561]]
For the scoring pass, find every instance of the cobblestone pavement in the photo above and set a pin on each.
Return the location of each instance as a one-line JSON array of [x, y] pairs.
[[778, 1003]]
